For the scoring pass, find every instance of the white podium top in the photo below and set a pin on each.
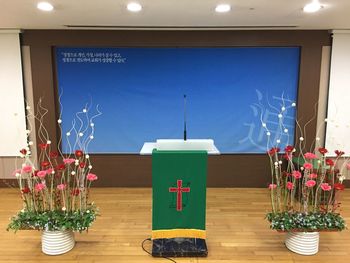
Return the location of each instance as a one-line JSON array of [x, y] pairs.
[[180, 145]]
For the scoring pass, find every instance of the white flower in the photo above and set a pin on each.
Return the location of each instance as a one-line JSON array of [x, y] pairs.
[[84, 110], [283, 108], [92, 124], [48, 142], [91, 137], [285, 130], [263, 124], [280, 115], [341, 178], [278, 141], [59, 121], [87, 156], [30, 143], [276, 163], [90, 167], [68, 133], [81, 134], [294, 104], [301, 138], [76, 162], [17, 175], [87, 211], [280, 162], [64, 208], [268, 133], [28, 108], [318, 138], [72, 173]]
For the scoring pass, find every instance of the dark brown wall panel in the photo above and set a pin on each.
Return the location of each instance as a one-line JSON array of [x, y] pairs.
[[229, 170]]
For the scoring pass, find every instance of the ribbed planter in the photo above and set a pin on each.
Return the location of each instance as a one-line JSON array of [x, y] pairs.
[[57, 242], [303, 243]]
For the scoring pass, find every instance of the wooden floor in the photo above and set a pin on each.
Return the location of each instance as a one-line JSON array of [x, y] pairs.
[[236, 231]]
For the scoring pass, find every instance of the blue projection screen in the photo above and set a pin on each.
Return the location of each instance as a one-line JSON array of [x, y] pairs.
[[140, 92]]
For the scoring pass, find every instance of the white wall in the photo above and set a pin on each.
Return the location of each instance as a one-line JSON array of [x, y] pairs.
[[338, 115], [12, 111]]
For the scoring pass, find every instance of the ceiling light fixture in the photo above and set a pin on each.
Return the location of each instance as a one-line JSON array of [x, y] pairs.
[[45, 6], [134, 7], [312, 7], [222, 8]]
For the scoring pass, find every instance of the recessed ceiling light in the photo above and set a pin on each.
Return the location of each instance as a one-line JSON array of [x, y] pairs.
[[312, 7], [45, 6], [223, 8], [134, 7]]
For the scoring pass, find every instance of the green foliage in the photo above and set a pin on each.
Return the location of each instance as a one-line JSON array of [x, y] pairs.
[[54, 220], [306, 222]]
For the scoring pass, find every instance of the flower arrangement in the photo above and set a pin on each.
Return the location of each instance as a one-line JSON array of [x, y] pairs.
[[55, 187], [305, 184]]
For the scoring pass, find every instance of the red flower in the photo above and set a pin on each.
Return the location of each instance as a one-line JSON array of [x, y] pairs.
[[287, 156], [43, 146], [53, 155], [339, 187], [323, 150], [35, 173], [329, 162], [75, 192], [289, 149], [273, 151], [79, 153], [339, 153], [82, 165], [23, 151], [60, 167], [45, 164], [25, 190]]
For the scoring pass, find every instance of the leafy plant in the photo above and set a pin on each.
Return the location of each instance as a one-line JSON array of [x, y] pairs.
[[305, 183], [55, 187]]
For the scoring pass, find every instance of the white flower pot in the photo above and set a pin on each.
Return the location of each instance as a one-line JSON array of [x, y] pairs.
[[303, 243], [57, 242]]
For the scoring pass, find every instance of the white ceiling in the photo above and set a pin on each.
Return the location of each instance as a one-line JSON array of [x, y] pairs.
[[23, 14]]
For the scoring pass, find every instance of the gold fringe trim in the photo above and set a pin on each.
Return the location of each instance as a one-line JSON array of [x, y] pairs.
[[173, 233]]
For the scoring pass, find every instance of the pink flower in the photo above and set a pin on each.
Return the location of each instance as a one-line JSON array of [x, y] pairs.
[[290, 186], [49, 171], [272, 186], [310, 183], [41, 174], [27, 169], [326, 187], [310, 155], [39, 187], [296, 174], [313, 176], [68, 161], [307, 166], [61, 186], [91, 177]]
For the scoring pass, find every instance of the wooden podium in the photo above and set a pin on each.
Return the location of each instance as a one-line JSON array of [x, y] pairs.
[[179, 172]]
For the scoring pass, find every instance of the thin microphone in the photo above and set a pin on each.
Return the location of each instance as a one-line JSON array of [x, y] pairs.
[[185, 128]]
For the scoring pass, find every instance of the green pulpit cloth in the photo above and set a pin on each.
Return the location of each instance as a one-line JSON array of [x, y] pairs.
[[179, 194]]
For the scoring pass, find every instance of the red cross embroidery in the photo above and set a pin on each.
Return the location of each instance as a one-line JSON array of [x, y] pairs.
[[179, 190]]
